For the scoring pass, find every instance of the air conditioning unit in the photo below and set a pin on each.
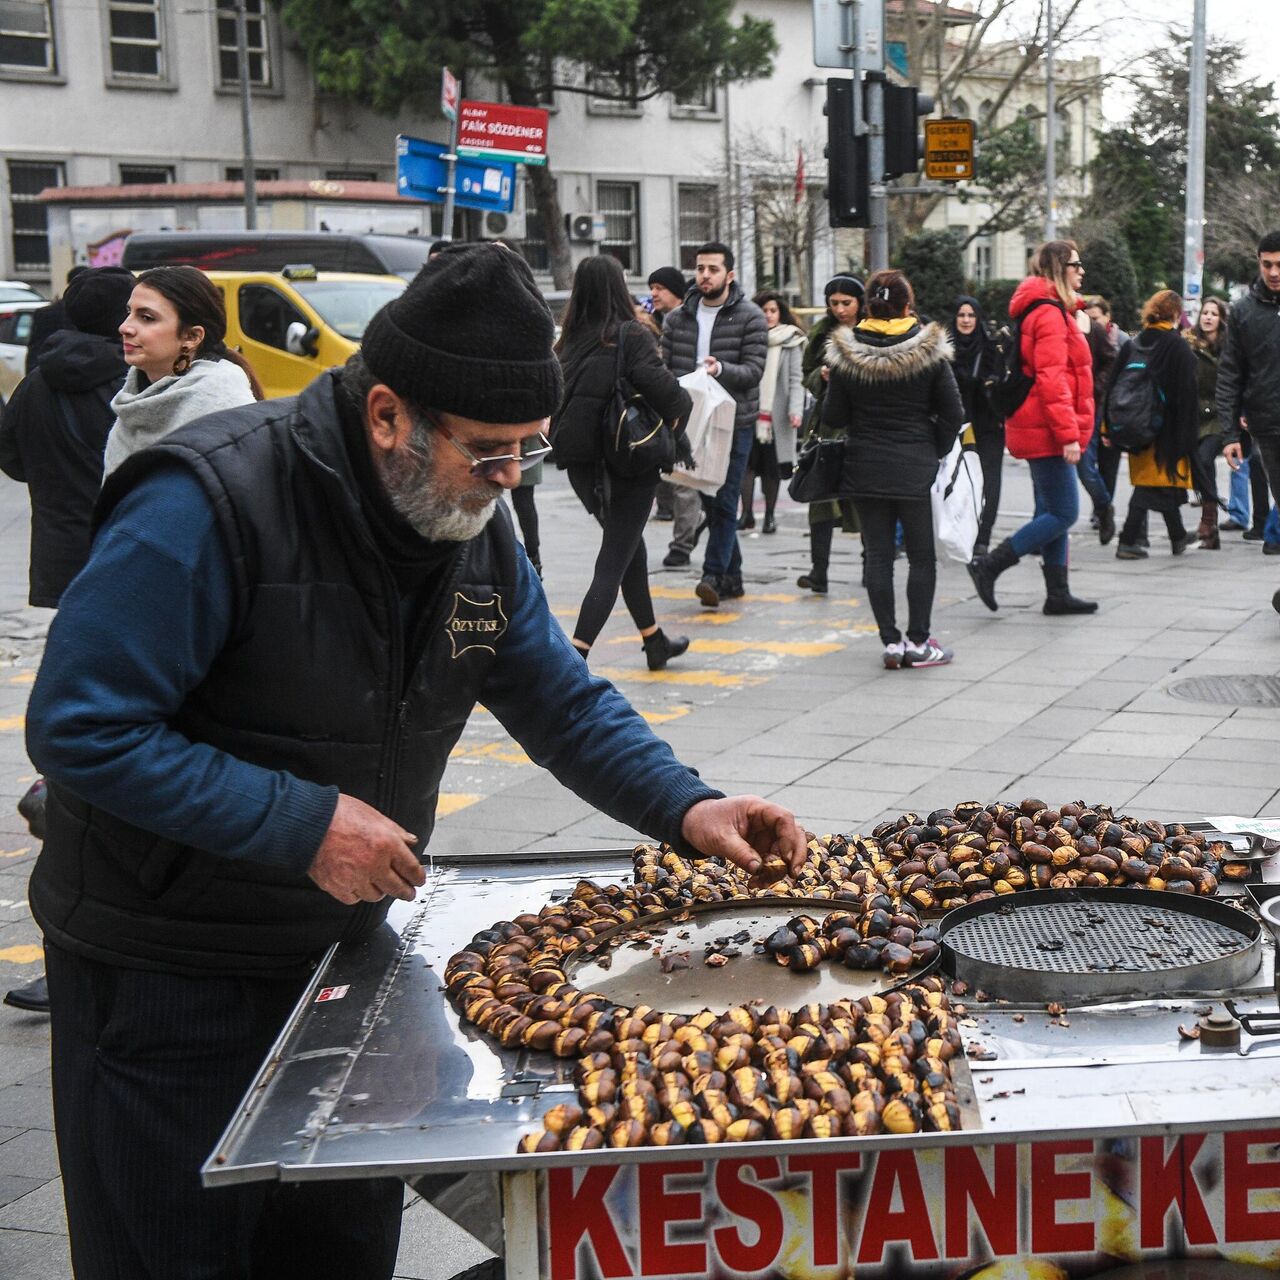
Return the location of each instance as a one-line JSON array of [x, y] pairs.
[[503, 226], [586, 227]]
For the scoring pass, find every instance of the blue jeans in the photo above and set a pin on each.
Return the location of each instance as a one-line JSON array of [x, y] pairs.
[[1271, 530], [1087, 469], [1238, 495], [724, 555], [1057, 506]]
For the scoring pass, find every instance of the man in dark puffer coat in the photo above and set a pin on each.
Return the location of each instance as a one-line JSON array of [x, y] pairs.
[[720, 328]]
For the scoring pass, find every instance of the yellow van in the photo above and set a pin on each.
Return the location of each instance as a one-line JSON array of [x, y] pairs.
[[293, 324]]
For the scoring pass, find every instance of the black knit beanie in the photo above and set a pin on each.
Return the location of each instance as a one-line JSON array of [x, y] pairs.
[[97, 300], [671, 279], [472, 336]]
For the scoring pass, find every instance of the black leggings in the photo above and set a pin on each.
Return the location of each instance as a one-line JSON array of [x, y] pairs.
[[527, 513], [763, 462], [989, 444], [879, 519], [621, 508]]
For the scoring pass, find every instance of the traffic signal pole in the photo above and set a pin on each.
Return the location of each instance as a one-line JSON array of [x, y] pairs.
[[1193, 250], [878, 205]]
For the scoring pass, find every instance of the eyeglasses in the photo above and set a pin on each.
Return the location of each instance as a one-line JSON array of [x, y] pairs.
[[491, 468], [1077, 263]]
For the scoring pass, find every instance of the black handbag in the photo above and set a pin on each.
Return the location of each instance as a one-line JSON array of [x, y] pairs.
[[818, 468], [636, 439]]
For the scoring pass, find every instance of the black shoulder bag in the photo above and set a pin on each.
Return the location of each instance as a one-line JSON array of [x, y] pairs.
[[636, 439]]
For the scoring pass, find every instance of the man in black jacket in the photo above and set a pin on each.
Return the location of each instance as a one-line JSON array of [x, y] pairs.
[[48, 321], [1248, 390], [719, 328], [52, 437]]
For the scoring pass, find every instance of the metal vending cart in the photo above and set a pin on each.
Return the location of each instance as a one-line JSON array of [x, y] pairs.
[[1098, 1135]]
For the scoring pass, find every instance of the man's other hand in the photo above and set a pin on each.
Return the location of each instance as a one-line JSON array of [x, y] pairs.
[[365, 857], [1234, 455], [743, 829]]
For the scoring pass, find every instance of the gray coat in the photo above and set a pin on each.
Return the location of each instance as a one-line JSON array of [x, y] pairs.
[[788, 398], [739, 340]]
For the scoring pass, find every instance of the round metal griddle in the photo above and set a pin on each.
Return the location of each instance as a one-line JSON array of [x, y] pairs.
[[1080, 945], [630, 973]]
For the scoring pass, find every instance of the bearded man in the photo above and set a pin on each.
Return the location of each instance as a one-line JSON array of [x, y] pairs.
[[246, 704]]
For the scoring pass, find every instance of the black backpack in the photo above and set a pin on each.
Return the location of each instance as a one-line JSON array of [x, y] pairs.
[[1008, 385], [1135, 404]]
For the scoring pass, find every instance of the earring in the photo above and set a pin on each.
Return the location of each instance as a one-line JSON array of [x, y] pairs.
[[183, 362]]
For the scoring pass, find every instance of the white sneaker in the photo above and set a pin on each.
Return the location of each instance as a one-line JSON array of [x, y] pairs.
[[928, 654], [893, 655]]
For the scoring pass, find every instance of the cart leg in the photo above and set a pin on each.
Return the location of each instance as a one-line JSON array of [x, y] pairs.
[[520, 1225]]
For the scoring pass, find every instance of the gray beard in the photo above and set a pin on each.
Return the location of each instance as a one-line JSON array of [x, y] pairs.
[[417, 496]]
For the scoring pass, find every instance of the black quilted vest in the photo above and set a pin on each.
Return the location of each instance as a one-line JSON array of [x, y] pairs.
[[314, 680]]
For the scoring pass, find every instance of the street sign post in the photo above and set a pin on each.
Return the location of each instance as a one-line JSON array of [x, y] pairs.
[[449, 94], [500, 131], [422, 172], [831, 47], [948, 150]]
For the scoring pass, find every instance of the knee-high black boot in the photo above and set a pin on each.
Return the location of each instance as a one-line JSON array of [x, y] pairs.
[[1058, 598], [984, 570]]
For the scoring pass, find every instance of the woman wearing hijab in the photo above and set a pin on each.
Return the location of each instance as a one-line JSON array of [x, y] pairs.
[[1161, 473], [781, 404], [844, 295], [974, 366]]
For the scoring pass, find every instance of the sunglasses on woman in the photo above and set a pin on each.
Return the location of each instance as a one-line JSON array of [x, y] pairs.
[[490, 468]]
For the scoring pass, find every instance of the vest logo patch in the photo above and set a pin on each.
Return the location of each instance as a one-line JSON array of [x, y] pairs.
[[475, 624]]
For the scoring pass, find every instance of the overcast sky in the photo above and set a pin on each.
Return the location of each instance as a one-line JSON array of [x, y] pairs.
[[1132, 25]]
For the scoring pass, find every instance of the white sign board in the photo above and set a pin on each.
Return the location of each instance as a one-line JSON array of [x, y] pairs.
[[831, 25]]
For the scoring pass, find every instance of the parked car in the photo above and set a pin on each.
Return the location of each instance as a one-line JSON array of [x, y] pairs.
[[293, 324], [17, 302]]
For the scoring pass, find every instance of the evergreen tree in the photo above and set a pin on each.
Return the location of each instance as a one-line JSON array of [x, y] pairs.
[[934, 263], [1109, 269]]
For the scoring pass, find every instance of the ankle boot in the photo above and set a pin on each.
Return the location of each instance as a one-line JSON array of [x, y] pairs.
[[1210, 539], [1058, 598], [659, 648], [1106, 523], [984, 570]]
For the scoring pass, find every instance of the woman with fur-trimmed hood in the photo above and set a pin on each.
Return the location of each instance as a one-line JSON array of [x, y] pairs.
[[893, 393]]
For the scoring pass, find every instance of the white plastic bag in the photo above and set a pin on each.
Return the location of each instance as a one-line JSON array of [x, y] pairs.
[[957, 503], [710, 433]]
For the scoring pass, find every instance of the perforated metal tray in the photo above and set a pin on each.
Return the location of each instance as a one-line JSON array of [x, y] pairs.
[[1079, 945]]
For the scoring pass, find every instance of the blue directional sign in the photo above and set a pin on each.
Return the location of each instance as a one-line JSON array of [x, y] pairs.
[[422, 173]]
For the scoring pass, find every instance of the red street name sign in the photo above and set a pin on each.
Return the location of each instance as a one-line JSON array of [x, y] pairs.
[[503, 132]]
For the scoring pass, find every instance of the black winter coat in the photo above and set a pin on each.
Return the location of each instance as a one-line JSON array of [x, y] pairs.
[[577, 430], [897, 401], [44, 324], [1249, 370], [52, 437], [739, 340]]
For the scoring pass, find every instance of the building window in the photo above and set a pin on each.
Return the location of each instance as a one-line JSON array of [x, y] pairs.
[[30, 218], [235, 173], [350, 175], [959, 107], [697, 98], [133, 29], [533, 248], [697, 218], [620, 204], [257, 43], [26, 36], [982, 261], [614, 92], [986, 113], [133, 175]]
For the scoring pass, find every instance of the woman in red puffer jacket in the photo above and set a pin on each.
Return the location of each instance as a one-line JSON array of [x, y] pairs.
[[1052, 425]]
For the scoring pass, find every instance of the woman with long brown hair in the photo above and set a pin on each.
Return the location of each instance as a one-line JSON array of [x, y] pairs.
[[1206, 337], [179, 365], [1051, 427]]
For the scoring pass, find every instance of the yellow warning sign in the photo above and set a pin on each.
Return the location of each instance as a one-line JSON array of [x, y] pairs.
[[948, 150]]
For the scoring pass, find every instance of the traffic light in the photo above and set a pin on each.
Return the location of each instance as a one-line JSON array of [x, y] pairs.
[[903, 144], [848, 184]]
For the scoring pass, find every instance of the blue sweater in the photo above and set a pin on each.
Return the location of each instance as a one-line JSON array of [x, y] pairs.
[[139, 628]]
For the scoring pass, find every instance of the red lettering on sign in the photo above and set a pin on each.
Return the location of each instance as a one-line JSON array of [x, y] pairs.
[[577, 1213], [1240, 1177], [1165, 1182], [1049, 1187], [881, 1223], [824, 1199], [754, 1203], [994, 1203], [659, 1208]]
